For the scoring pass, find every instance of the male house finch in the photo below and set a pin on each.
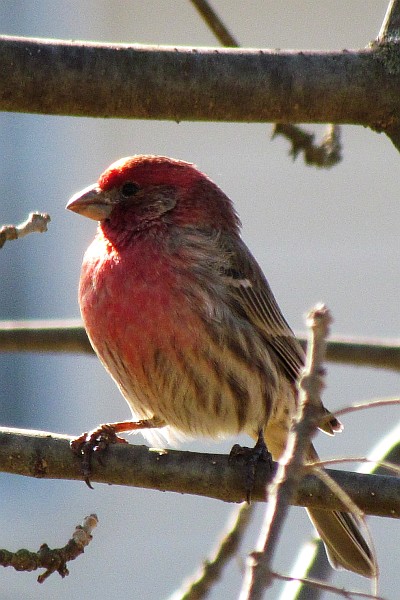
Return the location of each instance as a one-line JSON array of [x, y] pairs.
[[182, 317]]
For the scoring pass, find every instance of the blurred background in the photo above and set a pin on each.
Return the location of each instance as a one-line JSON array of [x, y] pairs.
[[319, 235]]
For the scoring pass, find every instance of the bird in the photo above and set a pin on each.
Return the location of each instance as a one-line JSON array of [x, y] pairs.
[[183, 319]]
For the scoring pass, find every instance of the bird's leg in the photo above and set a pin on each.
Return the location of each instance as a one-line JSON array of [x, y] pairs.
[[100, 438], [252, 457]]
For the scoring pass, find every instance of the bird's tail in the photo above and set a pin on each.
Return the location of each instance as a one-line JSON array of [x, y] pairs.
[[345, 546], [344, 543]]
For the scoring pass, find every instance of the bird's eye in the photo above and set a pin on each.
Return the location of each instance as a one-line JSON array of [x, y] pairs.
[[129, 189]]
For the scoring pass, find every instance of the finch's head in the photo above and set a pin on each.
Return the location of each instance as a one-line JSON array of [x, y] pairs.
[[138, 192]]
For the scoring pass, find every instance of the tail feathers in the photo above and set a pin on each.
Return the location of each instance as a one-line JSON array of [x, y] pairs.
[[345, 546]]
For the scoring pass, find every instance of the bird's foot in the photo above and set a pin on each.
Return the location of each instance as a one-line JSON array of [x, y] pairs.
[[252, 456], [95, 442]]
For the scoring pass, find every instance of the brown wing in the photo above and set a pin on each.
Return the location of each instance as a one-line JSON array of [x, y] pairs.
[[251, 290]]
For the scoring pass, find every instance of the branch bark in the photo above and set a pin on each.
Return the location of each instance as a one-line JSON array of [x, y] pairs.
[[48, 456], [218, 84]]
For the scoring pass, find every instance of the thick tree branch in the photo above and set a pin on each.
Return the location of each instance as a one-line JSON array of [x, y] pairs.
[[218, 84], [324, 155], [70, 336], [48, 455]]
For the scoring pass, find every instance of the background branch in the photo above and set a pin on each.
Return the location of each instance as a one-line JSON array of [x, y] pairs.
[[53, 560], [218, 84], [35, 223], [48, 455], [211, 570], [69, 336], [215, 23], [325, 155], [390, 29], [312, 560]]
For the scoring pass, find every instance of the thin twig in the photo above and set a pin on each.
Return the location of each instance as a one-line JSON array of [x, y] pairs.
[[258, 575], [311, 564], [390, 29], [364, 405], [211, 570], [35, 223], [53, 560], [324, 155], [329, 588], [216, 25], [384, 354], [382, 459], [52, 335], [374, 465]]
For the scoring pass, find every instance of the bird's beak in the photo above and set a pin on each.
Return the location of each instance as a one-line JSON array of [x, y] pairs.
[[92, 202]]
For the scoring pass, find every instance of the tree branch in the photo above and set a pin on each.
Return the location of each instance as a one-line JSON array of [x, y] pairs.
[[44, 336], [198, 587], [390, 29], [312, 560], [51, 559], [216, 25], [48, 455], [69, 336], [281, 490], [35, 223], [218, 84], [321, 586], [325, 155]]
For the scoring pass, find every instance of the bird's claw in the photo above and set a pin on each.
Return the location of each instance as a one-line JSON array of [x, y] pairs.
[[94, 442], [252, 456]]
